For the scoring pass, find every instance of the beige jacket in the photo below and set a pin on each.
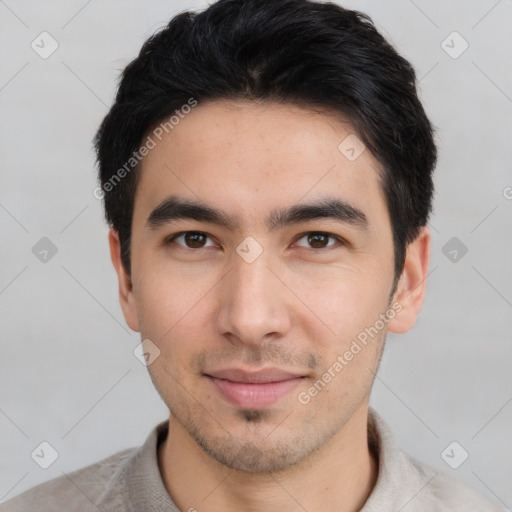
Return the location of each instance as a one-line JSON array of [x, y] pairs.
[[130, 481]]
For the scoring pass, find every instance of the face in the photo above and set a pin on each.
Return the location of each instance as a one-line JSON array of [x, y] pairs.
[[284, 263]]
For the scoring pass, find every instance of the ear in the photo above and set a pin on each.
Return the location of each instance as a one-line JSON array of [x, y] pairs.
[[412, 285], [126, 296]]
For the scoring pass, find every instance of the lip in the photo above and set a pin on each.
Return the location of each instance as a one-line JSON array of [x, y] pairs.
[[263, 376], [253, 390]]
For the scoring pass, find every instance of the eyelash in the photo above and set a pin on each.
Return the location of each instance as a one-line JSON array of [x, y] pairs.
[[172, 238]]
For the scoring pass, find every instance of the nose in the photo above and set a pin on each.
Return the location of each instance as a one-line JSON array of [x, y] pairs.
[[253, 303]]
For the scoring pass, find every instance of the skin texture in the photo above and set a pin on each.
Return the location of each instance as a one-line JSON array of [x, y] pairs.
[[293, 307]]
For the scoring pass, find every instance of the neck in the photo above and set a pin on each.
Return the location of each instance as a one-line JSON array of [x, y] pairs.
[[339, 477]]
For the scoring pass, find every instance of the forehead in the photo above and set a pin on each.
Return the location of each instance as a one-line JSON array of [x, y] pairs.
[[258, 156]]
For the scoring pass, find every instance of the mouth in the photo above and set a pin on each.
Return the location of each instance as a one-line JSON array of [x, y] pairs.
[[256, 389]]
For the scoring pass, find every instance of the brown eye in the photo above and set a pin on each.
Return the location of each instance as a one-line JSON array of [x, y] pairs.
[[192, 239], [318, 240]]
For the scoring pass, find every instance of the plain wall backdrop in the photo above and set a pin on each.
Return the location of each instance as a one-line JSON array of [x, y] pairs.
[[68, 373]]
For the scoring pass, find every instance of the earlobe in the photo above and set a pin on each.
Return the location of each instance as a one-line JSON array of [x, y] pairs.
[[412, 285], [126, 295]]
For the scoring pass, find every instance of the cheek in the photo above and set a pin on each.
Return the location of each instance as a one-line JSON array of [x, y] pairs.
[[172, 312], [168, 289], [353, 342], [344, 301]]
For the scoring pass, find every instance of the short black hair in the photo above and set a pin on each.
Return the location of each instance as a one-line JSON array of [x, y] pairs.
[[317, 55]]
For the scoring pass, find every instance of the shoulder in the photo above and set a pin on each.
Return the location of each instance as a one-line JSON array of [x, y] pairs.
[[437, 490], [79, 490], [407, 484]]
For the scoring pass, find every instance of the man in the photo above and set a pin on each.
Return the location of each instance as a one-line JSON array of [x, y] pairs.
[[266, 171]]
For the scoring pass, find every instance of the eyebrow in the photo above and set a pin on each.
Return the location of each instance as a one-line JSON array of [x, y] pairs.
[[176, 207]]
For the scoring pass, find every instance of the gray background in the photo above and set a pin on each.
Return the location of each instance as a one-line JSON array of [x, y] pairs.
[[68, 373]]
